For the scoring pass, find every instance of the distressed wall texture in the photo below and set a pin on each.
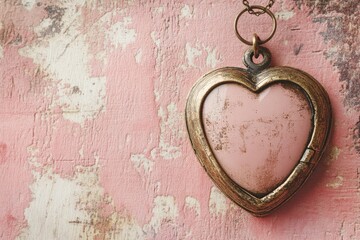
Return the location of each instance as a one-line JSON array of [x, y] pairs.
[[93, 142]]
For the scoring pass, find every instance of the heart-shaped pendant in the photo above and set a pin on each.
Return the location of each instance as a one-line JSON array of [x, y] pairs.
[[258, 132]]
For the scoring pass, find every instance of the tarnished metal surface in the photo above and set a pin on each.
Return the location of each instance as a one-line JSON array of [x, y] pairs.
[[321, 108]]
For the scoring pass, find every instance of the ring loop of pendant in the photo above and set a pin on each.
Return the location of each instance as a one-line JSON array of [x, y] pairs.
[[265, 10]]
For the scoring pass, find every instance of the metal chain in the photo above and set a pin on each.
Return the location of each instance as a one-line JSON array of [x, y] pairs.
[[257, 13]]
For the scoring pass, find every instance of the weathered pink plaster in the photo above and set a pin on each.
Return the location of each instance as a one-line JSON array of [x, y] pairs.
[[92, 95], [257, 138]]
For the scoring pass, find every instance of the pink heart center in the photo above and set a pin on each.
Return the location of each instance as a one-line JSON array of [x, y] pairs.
[[257, 138]]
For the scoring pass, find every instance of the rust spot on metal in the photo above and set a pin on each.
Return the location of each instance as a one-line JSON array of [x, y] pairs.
[[299, 95], [226, 104], [266, 173], [223, 139]]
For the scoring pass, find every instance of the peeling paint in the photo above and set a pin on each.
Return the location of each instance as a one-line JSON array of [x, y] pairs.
[[340, 18], [333, 155], [28, 4], [155, 38], [212, 58], [159, 10], [168, 124], [217, 202], [191, 54], [336, 183], [67, 65], [120, 34], [138, 56], [284, 15], [74, 208], [92, 137], [186, 12], [193, 204], [164, 211], [141, 163]]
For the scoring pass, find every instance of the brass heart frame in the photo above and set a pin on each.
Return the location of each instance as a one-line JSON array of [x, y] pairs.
[[321, 125]]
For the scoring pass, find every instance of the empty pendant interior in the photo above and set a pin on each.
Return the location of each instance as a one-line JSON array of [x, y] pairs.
[[257, 138]]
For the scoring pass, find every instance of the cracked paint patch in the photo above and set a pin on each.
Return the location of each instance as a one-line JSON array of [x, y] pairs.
[[142, 163], [336, 183], [217, 202], [138, 56], [28, 4], [191, 54], [120, 35], [186, 12], [169, 146], [284, 15], [76, 208], [193, 204], [165, 211], [333, 155], [169, 124], [64, 55], [340, 18], [212, 58]]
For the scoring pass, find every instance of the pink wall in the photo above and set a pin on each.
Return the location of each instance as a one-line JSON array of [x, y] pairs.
[[93, 143]]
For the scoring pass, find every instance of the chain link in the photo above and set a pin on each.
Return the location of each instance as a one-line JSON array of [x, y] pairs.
[[257, 13]]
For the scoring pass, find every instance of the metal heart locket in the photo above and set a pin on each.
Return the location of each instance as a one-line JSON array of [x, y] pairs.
[[258, 132]]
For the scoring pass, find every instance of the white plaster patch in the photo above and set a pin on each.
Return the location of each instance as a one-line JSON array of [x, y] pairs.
[[28, 4], [159, 10], [334, 155], [120, 34], [43, 26], [69, 208], [65, 57], [193, 203], [284, 15], [336, 183], [186, 12], [138, 56], [169, 124], [165, 210], [81, 152], [170, 136], [155, 39], [191, 54], [335, 152], [52, 208], [217, 202], [212, 58], [142, 164]]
